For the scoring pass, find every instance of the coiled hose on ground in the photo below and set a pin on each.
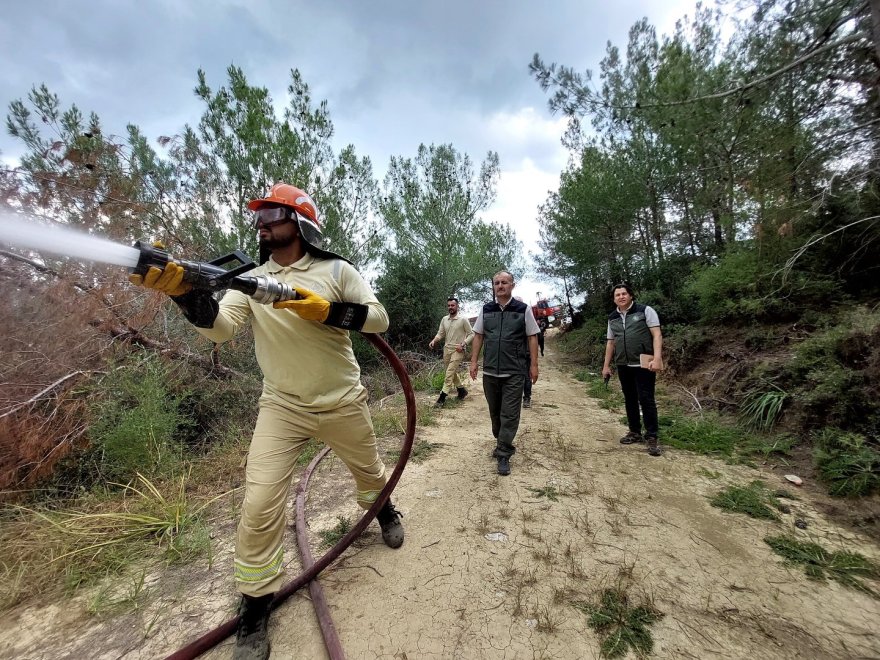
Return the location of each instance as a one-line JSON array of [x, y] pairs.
[[310, 572]]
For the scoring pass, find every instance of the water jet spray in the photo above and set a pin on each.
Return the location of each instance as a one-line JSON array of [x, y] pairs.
[[226, 272]]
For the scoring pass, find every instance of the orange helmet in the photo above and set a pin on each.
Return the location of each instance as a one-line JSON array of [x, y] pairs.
[[305, 212], [288, 195]]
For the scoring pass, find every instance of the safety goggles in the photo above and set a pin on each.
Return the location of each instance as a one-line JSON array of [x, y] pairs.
[[269, 217]]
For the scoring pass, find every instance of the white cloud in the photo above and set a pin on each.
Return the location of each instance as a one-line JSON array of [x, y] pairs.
[[525, 127], [520, 192]]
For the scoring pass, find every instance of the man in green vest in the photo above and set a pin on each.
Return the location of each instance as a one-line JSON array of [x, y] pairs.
[[508, 329], [635, 343]]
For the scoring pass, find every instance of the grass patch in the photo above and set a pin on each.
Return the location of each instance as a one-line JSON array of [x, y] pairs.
[[621, 626], [753, 500], [549, 492], [767, 446], [429, 378], [422, 450], [709, 474], [329, 537], [701, 435], [610, 398], [392, 421], [847, 568]]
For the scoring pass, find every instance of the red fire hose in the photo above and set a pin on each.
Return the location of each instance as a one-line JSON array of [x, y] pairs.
[[224, 630]]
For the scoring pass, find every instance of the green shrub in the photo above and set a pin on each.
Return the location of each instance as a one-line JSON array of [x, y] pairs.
[[137, 424], [587, 343], [728, 289], [743, 286], [847, 463], [832, 375]]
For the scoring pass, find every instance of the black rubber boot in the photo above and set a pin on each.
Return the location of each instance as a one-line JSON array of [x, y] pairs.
[[392, 528], [252, 636], [462, 393], [441, 400]]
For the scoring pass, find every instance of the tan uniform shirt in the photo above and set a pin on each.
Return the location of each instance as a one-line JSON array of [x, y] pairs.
[[305, 364], [456, 331]]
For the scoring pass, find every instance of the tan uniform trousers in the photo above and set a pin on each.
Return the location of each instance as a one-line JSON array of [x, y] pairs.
[[452, 359], [279, 437]]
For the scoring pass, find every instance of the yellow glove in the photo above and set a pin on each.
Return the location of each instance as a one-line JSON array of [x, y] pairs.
[[169, 281], [309, 306]]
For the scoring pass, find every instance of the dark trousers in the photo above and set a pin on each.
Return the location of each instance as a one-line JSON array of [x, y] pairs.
[[504, 396], [527, 388], [638, 391], [541, 342]]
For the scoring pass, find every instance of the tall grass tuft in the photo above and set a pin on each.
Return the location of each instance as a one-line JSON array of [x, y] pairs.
[[46, 549], [762, 408]]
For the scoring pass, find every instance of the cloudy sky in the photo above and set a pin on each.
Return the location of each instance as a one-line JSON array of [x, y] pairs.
[[395, 74]]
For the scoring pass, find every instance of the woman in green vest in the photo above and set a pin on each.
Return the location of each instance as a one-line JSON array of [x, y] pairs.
[[635, 343]]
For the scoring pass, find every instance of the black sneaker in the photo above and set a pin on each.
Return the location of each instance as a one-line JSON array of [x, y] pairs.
[[527, 403], [503, 466], [631, 437], [653, 445], [392, 528], [252, 636], [462, 393]]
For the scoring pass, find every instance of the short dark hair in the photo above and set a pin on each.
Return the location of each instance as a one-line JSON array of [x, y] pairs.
[[451, 298], [623, 285]]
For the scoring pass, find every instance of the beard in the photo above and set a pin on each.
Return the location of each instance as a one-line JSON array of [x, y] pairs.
[[276, 243]]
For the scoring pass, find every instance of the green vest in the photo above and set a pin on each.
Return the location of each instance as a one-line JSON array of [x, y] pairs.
[[505, 344], [631, 338]]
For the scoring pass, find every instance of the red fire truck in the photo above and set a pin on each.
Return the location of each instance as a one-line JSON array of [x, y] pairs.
[[548, 312]]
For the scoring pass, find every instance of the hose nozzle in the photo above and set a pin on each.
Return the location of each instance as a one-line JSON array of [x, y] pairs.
[[215, 276]]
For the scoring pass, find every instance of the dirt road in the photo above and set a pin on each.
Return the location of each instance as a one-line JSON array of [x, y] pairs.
[[492, 565]]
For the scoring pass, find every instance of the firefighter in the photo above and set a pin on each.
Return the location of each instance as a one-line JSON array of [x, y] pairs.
[[311, 387], [457, 332]]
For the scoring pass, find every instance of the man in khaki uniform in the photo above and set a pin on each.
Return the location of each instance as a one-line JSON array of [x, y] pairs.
[[457, 332], [311, 387]]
